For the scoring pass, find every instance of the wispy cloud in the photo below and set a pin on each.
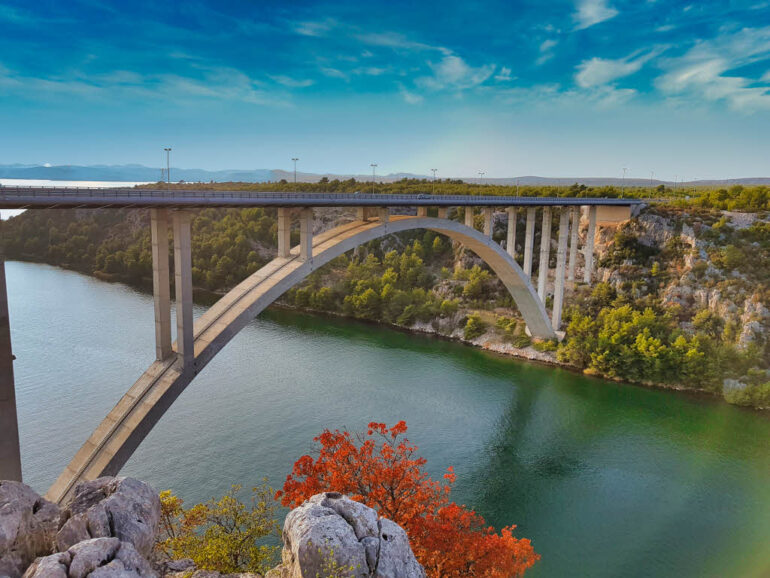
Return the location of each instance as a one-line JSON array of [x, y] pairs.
[[397, 41], [546, 51], [315, 28], [600, 71], [452, 72], [410, 97], [704, 71], [590, 12], [292, 82], [503, 75]]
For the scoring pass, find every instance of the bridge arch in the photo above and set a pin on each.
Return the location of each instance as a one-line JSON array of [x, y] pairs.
[[113, 442]]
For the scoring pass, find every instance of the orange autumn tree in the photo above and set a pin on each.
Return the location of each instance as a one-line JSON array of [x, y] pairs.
[[381, 469]]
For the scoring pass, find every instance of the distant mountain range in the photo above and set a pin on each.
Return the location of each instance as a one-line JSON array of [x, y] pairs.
[[130, 173]]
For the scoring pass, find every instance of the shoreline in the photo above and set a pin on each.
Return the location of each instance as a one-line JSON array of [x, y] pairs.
[[208, 297]]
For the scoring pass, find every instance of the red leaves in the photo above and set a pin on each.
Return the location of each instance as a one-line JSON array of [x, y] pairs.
[[382, 471]]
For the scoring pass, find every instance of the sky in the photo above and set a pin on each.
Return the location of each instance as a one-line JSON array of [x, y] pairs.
[[511, 88]]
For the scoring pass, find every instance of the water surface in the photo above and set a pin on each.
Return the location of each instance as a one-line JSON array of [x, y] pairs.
[[606, 479]]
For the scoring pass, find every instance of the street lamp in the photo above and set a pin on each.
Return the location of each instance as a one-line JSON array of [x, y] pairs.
[[295, 159], [481, 177], [623, 185], [168, 167], [374, 166], [434, 180]]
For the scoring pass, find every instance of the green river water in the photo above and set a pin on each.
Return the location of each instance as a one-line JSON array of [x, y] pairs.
[[605, 479]]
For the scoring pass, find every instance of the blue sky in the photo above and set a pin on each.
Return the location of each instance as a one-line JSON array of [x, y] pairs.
[[564, 88]]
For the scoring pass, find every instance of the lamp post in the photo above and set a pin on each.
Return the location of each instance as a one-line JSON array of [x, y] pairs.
[[295, 159], [374, 178], [168, 167], [481, 177], [434, 180]]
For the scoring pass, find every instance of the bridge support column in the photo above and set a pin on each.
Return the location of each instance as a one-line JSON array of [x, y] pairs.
[[488, 221], [469, 217], [589, 246], [443, 212], [284, 232], [422, 211], [184, 293], [306, 235], [561, 262], [545, 253], [573, 243], [161, 282], [529, 241], [10, 451], [383, 213], [510, 242]]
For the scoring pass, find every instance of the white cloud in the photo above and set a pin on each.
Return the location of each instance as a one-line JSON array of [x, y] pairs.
[[590, 12], [410, 97], [600, 71], [333, 73], [315, 28], [504, 75], [704, 71], [397, 41], [546, 51], [292, 82], [452, 72]]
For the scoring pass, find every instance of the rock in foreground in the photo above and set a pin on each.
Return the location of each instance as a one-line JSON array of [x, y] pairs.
[[331, 530]]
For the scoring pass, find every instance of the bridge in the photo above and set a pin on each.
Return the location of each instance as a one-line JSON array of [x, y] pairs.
[[198, 341]]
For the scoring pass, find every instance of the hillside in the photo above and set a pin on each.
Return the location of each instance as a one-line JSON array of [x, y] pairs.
[[682, 298]]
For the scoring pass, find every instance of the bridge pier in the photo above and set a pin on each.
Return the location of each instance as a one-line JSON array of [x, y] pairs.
[[561, 261], [183, 285], [510, 242], [443, 213], [573, 243], [545, 253], [161, 282], [529, 241], [589, 246], [383, 213], [469, 217], [284, 232], [422, 211], [488, 221], [10, 450], [306, 235]]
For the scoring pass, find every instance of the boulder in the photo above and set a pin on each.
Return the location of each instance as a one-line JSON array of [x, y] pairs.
[[28, 525], [94, 558], [122, 508], [331, 528]]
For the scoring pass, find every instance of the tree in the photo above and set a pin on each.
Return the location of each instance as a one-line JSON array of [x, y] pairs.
[[222, 535], [382, 470]]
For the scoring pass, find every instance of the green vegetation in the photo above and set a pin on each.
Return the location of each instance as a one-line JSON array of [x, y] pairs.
[[637, 328], [224, 535]]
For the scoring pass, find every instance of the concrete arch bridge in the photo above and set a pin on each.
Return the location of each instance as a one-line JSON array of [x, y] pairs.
[[116, 438]]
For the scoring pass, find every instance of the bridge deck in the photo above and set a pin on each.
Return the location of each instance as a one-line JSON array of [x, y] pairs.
[[48, 198]]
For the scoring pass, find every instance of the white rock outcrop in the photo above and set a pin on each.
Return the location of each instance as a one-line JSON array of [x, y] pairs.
[[331, 527]]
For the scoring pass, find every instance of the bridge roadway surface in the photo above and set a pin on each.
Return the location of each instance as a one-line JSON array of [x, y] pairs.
[[96, 198]]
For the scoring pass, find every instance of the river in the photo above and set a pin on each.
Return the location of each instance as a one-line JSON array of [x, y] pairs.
[[605, 479]]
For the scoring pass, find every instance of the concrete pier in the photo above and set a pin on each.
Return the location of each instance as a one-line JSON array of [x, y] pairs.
[[306, 235], [561, 262], [510, 239], [422, 211], [284, 232], [10, 451], [529, 241], [589, 246], [469, 217], [488, 221], [184, 293], [161, 282], [545, 253], [443, 213], [383, 214], [573, 242]]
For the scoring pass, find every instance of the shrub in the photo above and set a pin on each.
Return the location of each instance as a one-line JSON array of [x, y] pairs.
[[474, 327]]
